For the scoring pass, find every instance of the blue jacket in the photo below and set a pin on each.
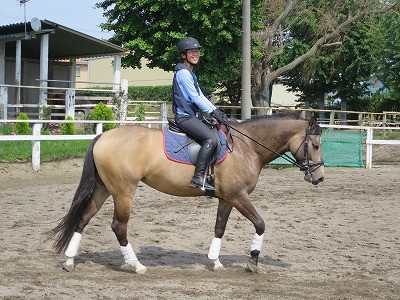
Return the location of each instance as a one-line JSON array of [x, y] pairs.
[[187, 96]]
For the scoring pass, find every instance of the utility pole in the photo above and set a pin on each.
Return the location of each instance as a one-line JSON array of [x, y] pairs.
[[246, 61], [23, 2]]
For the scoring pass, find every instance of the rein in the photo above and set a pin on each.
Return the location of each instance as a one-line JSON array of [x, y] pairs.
[[306, 163]]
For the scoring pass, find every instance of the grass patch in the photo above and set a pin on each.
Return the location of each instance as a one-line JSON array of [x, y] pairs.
[[17, 151]]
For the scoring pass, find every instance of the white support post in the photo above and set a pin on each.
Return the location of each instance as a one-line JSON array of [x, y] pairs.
[[99, 128], [18, 67], [36, 148], [117, 72], [70, 103], [44, 70], [368, 163], [2, 62], [72, 74], [164, 114], [124, 100], [3, 102]]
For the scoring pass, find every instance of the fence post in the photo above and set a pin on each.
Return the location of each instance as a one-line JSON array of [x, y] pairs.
[[164, 113], [368, 162], [36, 148], [99, 128], [70, 103], [332, 118], [124, 100], [3, 102]]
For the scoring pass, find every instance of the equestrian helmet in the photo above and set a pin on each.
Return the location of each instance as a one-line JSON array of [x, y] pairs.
[[188, 43]]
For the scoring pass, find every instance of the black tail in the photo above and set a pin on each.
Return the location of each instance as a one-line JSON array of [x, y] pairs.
[[80, 202]]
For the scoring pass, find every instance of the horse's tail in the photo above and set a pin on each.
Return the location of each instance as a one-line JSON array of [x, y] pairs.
[[79, 204]]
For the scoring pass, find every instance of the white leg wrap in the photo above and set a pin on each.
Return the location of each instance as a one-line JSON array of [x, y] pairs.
[[128, 253], [257, 242], [73, 245], [215, 247], [131, 259]]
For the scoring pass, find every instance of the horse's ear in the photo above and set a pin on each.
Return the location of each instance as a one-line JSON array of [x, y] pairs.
[[312, 122]]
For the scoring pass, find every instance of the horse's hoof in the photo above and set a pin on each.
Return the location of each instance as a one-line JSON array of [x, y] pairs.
[[252, 268], [219, 268], [68, 267], [140, 269]]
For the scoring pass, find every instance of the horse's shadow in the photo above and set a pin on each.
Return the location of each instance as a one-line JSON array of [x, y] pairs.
[[153, 256]]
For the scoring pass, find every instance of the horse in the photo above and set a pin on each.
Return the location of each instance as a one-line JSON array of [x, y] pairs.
[[118, 159]]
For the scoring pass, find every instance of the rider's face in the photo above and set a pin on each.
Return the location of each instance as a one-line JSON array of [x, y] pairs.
[[193, 56]]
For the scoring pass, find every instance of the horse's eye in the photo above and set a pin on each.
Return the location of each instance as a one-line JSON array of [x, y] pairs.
[[316, 147]]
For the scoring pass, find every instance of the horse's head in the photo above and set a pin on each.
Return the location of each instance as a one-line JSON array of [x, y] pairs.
[[306, 148]]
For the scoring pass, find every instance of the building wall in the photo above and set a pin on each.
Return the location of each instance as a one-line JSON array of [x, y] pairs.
[[100, 70]]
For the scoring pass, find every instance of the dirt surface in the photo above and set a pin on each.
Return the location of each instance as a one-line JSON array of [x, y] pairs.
[[338, 240]]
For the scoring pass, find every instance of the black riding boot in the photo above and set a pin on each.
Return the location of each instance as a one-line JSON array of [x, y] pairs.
[[202, 161]]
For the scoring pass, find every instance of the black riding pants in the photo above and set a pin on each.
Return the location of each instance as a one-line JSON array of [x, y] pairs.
[[196, 129]]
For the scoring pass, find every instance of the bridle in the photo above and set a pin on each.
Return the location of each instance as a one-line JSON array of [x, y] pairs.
[[305, 166]]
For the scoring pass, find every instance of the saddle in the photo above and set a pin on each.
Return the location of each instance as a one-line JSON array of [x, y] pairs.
[[183, 149]]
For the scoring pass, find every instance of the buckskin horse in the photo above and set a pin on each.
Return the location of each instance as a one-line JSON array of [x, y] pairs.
[[118, 159]]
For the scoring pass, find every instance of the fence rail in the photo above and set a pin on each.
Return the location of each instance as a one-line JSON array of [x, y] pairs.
[[36, 137]]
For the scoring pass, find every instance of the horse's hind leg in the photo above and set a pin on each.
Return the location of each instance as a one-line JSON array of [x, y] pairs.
[[122, 209], [97, 199]]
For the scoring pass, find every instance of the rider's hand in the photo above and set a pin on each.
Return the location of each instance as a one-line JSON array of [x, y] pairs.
[[220, 116]]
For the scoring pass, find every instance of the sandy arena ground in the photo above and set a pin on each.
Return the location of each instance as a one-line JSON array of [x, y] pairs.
[[338, 240]]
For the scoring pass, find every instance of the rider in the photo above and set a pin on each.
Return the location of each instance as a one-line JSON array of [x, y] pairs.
[[188, 100]]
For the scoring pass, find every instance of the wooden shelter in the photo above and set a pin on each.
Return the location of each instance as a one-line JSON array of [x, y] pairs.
[[40, 54]]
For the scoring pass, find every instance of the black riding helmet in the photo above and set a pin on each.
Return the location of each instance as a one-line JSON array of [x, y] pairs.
[[188, 43]]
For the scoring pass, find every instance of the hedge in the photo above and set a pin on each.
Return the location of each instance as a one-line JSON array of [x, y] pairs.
[[150, 93]]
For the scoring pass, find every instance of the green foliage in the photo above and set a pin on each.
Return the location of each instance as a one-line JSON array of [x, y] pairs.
[[152, 28], [46, 112], [140, 112], [6, 129], [385, 50], [68, 128], [150, 93], [22, 127], [102, 112]]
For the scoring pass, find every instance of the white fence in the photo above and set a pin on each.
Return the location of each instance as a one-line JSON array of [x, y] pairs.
[[36, 137]]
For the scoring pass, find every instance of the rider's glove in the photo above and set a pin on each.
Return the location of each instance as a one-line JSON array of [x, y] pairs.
[[220, 116]]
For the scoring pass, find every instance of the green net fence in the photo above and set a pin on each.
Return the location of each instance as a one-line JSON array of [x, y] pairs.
[[340, 148]]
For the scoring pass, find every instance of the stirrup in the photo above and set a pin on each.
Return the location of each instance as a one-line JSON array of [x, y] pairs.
[[202, 184]]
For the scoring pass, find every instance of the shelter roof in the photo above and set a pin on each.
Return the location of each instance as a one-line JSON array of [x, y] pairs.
[[64, 42]]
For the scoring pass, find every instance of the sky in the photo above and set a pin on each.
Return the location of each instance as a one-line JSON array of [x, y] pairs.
[[80, 15]]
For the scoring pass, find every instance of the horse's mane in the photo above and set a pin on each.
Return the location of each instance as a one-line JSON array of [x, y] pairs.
[[293, 115]]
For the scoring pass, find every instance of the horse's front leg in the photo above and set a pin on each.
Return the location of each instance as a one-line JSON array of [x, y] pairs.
[[224, 210], [243, 204]]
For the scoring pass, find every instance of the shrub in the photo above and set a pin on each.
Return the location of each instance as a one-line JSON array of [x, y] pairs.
[[150, 93], [140, 112], [22, 127], [7, 129], [102, 112], [68, 128]]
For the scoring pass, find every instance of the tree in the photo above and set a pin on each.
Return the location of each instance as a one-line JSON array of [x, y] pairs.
[[312, 24], [385, 41], [342, 71], [152, 28], [295, 29]]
